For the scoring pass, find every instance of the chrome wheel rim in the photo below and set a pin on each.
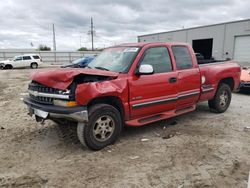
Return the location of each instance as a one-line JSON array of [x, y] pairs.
[[223, 98], [103, 128]]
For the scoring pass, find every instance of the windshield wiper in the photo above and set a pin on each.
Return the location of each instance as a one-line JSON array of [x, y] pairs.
[[102, 68]]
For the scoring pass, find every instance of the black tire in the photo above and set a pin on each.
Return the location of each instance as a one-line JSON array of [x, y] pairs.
[[68, 132], [221, 100], [33, 65], [104, 121], [8, 67]]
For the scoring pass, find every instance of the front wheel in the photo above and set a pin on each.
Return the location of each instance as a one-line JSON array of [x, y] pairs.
[[103, 128], [8, 67], [221, 100]]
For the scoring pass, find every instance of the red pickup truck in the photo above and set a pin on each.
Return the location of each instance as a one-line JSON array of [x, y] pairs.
[[132, 85]]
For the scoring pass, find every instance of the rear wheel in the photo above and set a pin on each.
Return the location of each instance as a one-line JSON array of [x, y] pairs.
[[221, 100], [33, 65], [103, 128]]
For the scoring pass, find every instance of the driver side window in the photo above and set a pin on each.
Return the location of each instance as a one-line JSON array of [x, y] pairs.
[[159, 58]]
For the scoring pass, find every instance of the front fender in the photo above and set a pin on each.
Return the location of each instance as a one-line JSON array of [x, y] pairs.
[[88, 91]]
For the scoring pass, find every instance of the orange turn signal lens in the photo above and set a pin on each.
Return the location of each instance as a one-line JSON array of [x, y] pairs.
[[71, 103], [65, 103]]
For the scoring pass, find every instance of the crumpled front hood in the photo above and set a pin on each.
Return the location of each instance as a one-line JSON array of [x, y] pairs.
[[245, 74], [62, 78]]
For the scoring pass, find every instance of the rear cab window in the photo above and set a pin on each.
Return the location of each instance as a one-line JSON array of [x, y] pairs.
[[182, 57], [158, 58]]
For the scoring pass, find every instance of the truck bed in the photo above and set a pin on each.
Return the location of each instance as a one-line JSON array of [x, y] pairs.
[[214, 72]]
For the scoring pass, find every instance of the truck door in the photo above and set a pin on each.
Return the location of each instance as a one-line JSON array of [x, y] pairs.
[[155, 93], [188, 76]]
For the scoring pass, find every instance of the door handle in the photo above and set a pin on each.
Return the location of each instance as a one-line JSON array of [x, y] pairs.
[[172, 80]]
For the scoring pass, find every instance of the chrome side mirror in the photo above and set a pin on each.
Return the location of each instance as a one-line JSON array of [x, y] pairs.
[[145, 69]]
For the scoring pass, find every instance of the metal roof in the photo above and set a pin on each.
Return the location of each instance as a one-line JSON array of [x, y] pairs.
[[195, 27]]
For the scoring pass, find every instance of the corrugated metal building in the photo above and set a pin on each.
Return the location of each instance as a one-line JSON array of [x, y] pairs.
[[224, 40]]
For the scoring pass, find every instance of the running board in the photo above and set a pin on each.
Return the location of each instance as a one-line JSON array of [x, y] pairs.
[[149, 119], [184, 110], [160, 116]]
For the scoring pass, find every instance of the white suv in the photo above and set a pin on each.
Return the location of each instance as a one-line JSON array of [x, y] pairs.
[[26, 60]]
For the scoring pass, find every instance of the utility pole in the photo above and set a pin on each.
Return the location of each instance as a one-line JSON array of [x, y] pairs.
[[54, 38], [92, 34]]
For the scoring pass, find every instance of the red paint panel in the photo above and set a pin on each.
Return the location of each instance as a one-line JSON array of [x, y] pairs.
[[189, 81], [87, 91], [214, 73], [150, 88], [112, 88]]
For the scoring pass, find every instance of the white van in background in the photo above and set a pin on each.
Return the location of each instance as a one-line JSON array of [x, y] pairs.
[[26, 60]]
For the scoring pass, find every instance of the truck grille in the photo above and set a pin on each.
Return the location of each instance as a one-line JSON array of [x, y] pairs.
[[36, 87], [44, 100]]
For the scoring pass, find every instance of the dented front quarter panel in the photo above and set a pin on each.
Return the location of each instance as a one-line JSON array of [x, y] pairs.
[[113, 88]]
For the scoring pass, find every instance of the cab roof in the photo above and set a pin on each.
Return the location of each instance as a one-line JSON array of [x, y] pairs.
[[142, 44]]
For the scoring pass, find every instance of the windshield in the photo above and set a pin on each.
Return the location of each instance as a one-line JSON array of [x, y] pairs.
[[117, 59]]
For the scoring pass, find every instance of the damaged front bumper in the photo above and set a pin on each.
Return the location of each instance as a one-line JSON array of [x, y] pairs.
[[44, 111]]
